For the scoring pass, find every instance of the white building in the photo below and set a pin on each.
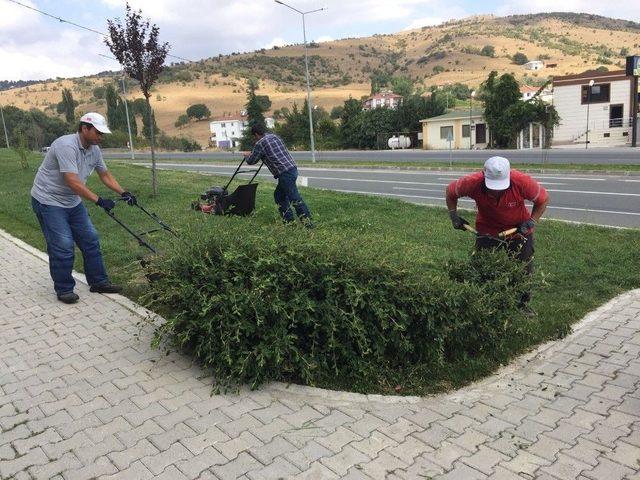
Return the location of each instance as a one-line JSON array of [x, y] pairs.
[[458, 130], [527, 92], [382, 99], [227, 130], [534, 65], [604, 110]]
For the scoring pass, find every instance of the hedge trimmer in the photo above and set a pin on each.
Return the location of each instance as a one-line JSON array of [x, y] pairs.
[[503, 237]]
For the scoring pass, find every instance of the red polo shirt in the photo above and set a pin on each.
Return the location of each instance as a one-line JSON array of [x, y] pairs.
[[497, 215]]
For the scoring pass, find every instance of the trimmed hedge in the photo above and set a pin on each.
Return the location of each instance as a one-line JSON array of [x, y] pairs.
[[258, 303]]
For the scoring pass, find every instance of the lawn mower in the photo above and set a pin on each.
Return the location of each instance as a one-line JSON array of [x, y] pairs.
[[218, 201], [138, 236]]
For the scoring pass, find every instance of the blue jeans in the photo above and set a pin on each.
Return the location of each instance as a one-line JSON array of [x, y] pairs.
[[286, 194], [62, 227]]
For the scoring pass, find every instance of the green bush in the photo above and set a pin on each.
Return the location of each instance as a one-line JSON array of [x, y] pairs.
[[178, 143], [256, 303]]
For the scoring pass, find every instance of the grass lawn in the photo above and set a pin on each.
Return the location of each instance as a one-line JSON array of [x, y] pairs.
[[584, 266]]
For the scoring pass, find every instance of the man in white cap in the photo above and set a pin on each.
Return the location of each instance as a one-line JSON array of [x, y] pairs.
[[56, 199], [500, 193]]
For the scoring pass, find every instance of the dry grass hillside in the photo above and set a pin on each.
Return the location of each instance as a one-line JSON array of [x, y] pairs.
[[430, 56]]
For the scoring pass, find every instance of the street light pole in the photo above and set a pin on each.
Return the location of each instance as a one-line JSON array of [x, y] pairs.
[[126, 110], [6, 135], [586, 141], [306, 66], [473, 93]]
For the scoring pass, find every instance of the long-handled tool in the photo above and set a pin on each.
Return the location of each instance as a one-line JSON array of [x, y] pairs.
[[138, 236], [502, 236]]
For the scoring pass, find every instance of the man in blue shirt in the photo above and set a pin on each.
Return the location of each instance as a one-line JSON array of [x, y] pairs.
[[56, 200], [271, 149]]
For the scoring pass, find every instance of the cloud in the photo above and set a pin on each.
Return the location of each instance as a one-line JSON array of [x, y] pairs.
[[424, 22], [276, 42], [33, 46], [324, 38]]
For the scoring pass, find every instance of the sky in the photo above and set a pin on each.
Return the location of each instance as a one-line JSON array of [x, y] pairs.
[[35, 47]]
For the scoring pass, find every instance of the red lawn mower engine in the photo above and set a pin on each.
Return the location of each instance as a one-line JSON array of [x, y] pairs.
[[215, 201]]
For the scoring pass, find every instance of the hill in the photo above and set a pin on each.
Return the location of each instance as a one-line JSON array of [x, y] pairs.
[[429, 56]]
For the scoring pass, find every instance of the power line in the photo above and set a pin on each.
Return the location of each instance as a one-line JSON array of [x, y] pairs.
[[62, 20]]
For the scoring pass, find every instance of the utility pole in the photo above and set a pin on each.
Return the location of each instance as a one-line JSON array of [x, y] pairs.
[[633, 69], [306, 66], [586, 141], [6, 135], [126, 109], [473, 94], [634, 109]]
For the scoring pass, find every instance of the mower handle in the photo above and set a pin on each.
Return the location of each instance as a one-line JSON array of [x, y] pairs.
[[506, 233]]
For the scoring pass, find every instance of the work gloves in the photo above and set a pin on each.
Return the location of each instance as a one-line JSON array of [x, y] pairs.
[[458, 222], [129, 198], [524, 227], [106, 203]]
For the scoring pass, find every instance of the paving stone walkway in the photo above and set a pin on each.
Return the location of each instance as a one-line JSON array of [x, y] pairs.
[[82, 398]]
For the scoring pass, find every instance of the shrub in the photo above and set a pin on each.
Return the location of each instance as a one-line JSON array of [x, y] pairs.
[[181, 121], [178, 143], [256, 303], [520, 58], [199, 111], [488, 51]]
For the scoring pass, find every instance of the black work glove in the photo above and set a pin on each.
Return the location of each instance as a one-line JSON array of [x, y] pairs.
[[106, 203], [524, 227], [458, 222], [130, 198]]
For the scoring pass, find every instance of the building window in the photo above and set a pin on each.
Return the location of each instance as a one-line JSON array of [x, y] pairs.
[[223, 125], [599, 93], [465, 131], [446, 133]]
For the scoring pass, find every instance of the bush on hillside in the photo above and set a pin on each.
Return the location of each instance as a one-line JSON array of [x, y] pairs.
[[257, 303], [520, 58]]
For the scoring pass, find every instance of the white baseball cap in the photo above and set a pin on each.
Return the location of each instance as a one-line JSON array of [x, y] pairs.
[[97, 120], [497, 173]]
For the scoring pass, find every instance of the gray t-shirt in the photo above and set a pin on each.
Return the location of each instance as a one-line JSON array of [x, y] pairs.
[[66, 155]]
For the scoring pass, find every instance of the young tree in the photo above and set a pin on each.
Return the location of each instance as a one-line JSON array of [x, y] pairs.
[[255, 115], [136, 46], [349, 124], [122, 117], [181, 121], [111, 96], [500, 94], [68, 105]]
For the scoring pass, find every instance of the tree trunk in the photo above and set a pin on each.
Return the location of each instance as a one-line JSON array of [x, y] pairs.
[[154, 184]]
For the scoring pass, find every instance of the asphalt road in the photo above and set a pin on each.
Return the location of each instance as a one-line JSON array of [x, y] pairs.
[[596, 199], [627, 156]]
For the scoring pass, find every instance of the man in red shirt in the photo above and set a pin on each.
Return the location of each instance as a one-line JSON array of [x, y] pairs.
[[500, 193]]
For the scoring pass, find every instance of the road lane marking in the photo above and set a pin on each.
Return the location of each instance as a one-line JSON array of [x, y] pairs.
[[591, 210], [595, 193]]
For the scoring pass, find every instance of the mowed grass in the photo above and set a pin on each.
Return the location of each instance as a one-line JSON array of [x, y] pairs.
[[583, 266]]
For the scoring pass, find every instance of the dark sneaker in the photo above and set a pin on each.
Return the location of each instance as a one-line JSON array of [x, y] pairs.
[[68, 297], [106, 288]]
